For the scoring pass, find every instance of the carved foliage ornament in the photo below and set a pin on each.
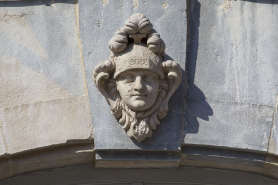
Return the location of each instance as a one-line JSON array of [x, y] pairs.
[[136, 80]]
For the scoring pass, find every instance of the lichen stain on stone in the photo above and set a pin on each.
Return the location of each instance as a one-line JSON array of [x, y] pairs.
[[21, 84], [79, 45], [165, 5], [16, 28], [135, 3], [104, 2], [52, 3], [99, 23], [226, 5], [4, 138], [272, 143]]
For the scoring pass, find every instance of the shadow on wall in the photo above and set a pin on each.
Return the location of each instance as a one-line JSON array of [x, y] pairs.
[[196, 105], [261, 1], [18, 3]]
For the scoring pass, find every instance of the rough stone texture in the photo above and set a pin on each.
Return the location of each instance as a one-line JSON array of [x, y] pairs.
[[98, 23], [2, 142], [47, 123], [273, 141], [215, 157], [27, 86], [54, 157], [86, 174], [236, 57], [39, 56], [232, 73], [142, 159], [233, 124], [43, 101]]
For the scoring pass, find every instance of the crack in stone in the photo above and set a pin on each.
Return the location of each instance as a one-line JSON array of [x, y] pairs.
[[4, 138], [6, 154], [270, 140], [79, 45], [225, 101], [63, 98]]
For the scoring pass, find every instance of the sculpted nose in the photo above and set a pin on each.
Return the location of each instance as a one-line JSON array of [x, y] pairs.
[[138, 85]]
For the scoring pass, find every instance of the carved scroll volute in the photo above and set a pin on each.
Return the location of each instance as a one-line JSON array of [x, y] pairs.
[[101, 76], [174, 76]]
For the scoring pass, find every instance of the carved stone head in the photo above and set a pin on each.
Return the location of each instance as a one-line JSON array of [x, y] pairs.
[[136, 80]]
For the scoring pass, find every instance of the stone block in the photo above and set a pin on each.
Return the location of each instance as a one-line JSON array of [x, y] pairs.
[[39, 55], [140, 159], [98, 23], [46, 123], [235, 125], [45, 158], [4, 167], [222, 158], [55, 157], [231, 65], [86, 174], [232, 50], [43, 100]]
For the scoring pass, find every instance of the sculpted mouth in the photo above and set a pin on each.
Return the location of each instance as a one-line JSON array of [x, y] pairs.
[[138, 94]]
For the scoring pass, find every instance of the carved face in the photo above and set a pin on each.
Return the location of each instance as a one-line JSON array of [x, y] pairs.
[[138, 88], [140, 96]]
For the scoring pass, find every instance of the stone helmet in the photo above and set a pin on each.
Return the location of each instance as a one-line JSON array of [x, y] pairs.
[[137, 46]]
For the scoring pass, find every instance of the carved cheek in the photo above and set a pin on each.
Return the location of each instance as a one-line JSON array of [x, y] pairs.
[[153, 87], [130, 87], [124, 89], [150, 88]]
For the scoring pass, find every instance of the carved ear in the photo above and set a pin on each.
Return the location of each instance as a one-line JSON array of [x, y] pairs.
[[174, 76], [101, 75]]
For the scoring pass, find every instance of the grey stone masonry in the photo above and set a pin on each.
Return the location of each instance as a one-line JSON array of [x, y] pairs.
[[232, 73], [98, 23]]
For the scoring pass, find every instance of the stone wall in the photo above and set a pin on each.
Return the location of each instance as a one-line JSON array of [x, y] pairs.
[[222, 115]]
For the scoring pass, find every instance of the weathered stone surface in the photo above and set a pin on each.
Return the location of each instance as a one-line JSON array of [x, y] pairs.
[[43, 101], [50, 158], [245, 126], [215, 157], [41, 124], [23, 85], [4, 169], [39, 54], [235, 58], [273, 141], [232, 75], [44, 158], [98, 23], [141, 159], [232, 67], [2, 142], [86, 174]]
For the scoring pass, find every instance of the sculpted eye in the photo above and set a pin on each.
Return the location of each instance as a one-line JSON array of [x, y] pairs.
[[128, 77], [149, 77]]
